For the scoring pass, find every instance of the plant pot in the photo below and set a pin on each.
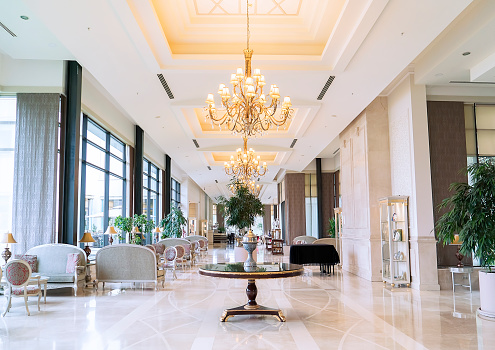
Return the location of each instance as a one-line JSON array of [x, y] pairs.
[[487, 291]]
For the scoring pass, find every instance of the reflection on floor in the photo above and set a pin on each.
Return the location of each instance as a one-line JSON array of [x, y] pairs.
[[338, 311]]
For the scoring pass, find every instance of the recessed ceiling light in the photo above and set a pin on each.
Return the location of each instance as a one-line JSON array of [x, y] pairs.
[[439, 75], [25, 18], [467, 53], [157, 117]]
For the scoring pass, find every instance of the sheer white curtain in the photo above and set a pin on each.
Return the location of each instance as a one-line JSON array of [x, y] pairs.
[[35, 171]]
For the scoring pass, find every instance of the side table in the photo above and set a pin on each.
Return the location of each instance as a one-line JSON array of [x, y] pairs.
[[461, 270], [87, 279]]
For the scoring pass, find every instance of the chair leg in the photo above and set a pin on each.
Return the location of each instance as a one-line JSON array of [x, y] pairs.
[[7, 307], [26, 303], [175, 276], [39, 298]]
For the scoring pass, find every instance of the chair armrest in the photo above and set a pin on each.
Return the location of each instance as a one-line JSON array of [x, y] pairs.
[[35, 279]]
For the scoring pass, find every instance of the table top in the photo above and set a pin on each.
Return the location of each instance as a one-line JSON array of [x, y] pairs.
[[263, 270], [464, 269]]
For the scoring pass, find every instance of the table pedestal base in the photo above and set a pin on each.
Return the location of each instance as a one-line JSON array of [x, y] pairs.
[[252, 308], [261, 310]]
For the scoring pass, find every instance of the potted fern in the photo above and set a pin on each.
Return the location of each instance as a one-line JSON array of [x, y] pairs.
[[471, 215]]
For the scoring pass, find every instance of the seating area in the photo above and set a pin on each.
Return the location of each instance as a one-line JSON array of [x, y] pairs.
[[247, 174]]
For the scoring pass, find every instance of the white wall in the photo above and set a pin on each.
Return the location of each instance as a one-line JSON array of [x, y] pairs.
[[31, 75]]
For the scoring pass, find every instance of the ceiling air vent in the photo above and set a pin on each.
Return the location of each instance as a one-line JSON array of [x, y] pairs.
[[325, 88], [196, 143], [7, 30], [165, 86], [293, 143], [209, 167], [470, 82], [338, 149]]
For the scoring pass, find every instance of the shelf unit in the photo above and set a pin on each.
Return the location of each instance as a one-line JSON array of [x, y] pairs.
[[394, 230]]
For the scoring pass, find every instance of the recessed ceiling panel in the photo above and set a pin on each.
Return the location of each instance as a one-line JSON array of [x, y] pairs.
[[268, 157], [207, 126], [219, 26]]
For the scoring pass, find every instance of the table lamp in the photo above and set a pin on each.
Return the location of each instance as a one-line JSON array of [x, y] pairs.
[[457, 241], [111, 231], [7, 238], [87, 238], [157, 231]]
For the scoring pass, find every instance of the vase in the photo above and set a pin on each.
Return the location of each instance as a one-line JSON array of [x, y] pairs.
[[250, 241]]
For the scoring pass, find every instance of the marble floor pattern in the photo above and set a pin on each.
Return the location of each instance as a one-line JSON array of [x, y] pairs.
[[338, 311]]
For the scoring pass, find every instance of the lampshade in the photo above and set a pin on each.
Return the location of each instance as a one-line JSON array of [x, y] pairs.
[[7, 238], [111, 231], [135, 229], [456, 241], [157, 230], [86, 238]]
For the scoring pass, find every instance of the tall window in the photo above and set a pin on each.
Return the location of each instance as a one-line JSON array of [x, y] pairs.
[[480, 131], [311, 205], [175, 195], [7, 144], [151, 191], [103, 180]]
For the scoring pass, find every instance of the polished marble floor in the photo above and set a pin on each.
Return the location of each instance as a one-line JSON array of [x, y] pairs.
[[338, 311]]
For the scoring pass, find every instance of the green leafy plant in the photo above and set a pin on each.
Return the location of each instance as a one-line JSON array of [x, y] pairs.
[[242, 208], [331, 227], [124, 225], [173, 223], [471, 214]]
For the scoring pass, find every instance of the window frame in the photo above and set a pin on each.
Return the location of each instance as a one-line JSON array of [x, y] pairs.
[[106, 171]]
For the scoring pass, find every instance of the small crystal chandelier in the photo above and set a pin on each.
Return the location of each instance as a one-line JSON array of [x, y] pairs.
[[249, 184], [246, 165], [246, 111]]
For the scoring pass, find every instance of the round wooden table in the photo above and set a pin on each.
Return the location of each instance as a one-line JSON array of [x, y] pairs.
[[263, 271]]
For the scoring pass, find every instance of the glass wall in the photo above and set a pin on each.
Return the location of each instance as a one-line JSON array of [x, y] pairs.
[[175, 195], [311, 205], [103, 180], [151, 191], [8, 107]]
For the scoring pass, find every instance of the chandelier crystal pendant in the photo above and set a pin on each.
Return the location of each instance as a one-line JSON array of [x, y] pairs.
[[247, 111], [246, 165]]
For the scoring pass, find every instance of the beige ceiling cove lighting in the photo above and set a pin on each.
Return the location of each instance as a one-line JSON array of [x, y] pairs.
[[246, 165], [246, 111]]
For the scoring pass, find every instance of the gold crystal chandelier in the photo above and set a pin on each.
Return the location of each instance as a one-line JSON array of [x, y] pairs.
[[246, 111], [245, 165]]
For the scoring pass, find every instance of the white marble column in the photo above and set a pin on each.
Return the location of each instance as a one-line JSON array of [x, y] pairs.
[[410, 170]]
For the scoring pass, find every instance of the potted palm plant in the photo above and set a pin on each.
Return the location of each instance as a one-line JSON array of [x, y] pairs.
[[471, 215], [242, 208]]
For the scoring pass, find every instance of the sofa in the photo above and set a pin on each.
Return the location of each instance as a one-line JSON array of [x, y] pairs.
[[52, 263], [328, 240], [127, 263], [172, 242], [304, 239]]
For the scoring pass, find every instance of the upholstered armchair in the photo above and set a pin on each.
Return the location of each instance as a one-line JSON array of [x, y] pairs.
[[19, 283]]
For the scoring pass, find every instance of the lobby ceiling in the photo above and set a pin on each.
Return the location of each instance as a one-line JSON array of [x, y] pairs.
[[197, 44]]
